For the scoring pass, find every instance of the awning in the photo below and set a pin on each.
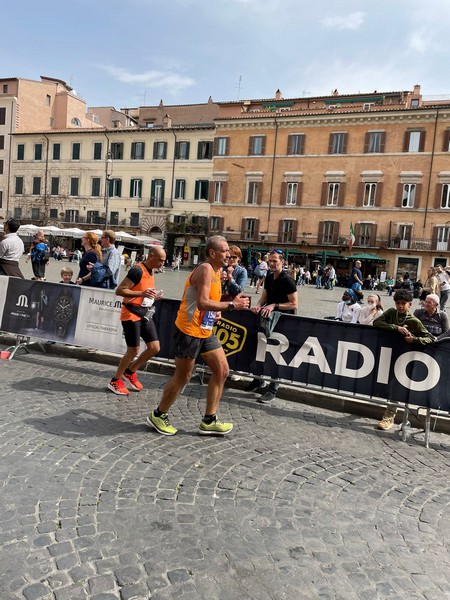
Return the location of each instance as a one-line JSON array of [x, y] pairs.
[[366, 256]]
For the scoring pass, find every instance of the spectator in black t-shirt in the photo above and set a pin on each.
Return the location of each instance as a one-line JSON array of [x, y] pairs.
[[279, 294]]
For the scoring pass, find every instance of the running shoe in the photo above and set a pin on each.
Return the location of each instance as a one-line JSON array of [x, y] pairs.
[[215, 428], [118, 387], [161, 424], [133, 381]]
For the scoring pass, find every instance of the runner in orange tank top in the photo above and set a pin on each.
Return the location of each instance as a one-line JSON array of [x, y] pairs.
[[199, 309]]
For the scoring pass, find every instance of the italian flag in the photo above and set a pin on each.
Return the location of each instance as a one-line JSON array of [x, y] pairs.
[[351, 239]]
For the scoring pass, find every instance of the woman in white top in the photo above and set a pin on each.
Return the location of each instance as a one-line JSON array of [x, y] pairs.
[[348, 310], [263, 266], [371, 311]]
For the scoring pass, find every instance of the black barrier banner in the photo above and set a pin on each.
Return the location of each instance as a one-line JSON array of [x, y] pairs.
[[319, 353]]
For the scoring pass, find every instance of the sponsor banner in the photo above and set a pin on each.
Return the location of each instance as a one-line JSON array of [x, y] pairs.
[[41, 310]]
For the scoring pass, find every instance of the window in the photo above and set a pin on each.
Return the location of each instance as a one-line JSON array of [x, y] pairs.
[[254, 192], [374, 142], [414, 141], [38, 152], [134, 219], [329, 232], [18, 186], [221, 146], [17, 212], [296, 144], [20, 151], [36, 186], [95, 186], [159, 150], [98, 150], [365, 234], [53, 213], [219, 187], [201, 189], [182, 150], [287, 231], [136, 188], [5, 88], [2, 142], [35, 214], [291, 193], [370, 192], [157, 193], [338, 143], [92, 216], [204, 150], [257, 145], [114, 218], [216, 223], [333, 194], [76, 121], [74, 185], [48, 100], [180, 189], [137, 150], [56, 151], [71, 216], [250, 229], [2, 116], [1, 167], [76, 147], [117, 150], [54, 186], [115, 188], [445, 196], [409, 194]]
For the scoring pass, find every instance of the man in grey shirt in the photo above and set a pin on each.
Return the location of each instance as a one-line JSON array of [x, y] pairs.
[[11, 249]]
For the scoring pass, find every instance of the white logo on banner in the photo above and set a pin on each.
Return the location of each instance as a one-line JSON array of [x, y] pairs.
[[22, 301]]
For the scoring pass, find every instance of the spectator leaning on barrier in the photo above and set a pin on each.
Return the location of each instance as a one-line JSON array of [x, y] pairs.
[[434, 319], [110, 257], [413, 332], [138, 291], [235, 277], [348, 309], [279, 294], [11, 249], [371, 311], [194, 336]]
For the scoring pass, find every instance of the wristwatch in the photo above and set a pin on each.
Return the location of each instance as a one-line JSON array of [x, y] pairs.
[[63, 312], [230, 306]]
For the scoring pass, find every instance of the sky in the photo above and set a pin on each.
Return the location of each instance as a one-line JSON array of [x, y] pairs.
[[137, 52]]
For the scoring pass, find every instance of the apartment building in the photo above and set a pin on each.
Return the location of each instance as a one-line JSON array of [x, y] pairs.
[[300, 174], [28, 105]]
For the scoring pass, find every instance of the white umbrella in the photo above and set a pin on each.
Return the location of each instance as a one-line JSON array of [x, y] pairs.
[[28, 229], [123, 236], [146, 240], [74, 232]]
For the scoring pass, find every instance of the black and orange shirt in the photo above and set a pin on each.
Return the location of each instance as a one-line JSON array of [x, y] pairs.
[[142, 278]]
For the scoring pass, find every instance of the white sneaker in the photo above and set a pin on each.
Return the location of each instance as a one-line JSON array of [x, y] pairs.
[[234, 377]]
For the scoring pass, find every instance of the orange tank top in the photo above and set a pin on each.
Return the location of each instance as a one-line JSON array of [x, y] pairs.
[[192, 321], [147, 281]]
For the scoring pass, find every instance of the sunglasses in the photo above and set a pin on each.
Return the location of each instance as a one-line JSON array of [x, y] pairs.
[[276, 252], [236, 257]]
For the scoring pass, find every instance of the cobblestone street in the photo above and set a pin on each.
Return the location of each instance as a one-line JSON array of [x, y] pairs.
[[297, 503]]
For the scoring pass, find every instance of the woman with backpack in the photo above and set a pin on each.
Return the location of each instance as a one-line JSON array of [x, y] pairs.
[[92, 254], [39, 254]]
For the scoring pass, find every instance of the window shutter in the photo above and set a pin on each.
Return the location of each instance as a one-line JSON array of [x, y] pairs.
[[434, 237], [211, 191], [280, 231], [341, 195], [243, 229], [299, 193], [250, 145], [163, 186], [438, 195], [399, 198], [357, 230], [324, 194], [131, 187], [320, 233], [373, 235], [155, 150], [406, 141], [221, 223], [263, 145], [335, 235], [294, 231], [418, 195], [301, 149], [330, 143], [256, 229], [366, 143], [422, 141], [177, 150], [215, 146], [360, 193], [344, 148], [408, 232], [378, 194], [199, 151], [259, 193], [289, 144], [152, 193], [283, 193], [119, 187], [224, 192], [188, 150], [383, 141], [445, 146]]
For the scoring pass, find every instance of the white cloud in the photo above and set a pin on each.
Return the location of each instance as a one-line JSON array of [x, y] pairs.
[[418, 42], [152, 79], [351, 21]]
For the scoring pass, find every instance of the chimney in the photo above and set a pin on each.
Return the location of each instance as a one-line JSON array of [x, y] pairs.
[[416, 90], [167, 122], [278, 95]]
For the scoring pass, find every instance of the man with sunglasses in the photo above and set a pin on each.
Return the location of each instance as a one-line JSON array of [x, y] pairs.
[[279, 294], [11, 249]]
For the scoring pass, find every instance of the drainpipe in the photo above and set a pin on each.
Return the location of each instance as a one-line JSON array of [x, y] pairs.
[[272, 174], [172, 187], [8, 185], [430, 172], [46, 179]]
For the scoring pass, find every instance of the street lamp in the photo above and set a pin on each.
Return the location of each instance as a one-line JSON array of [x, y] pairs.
[[108, 173]]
